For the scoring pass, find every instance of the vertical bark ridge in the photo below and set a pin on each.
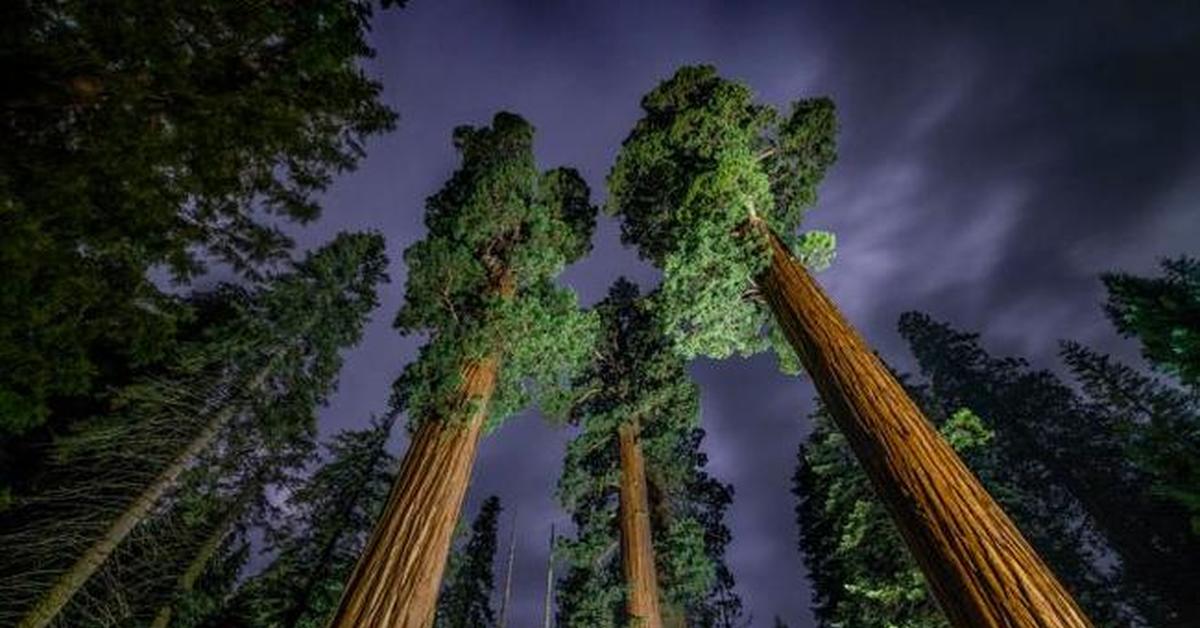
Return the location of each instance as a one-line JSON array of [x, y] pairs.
[[979, 567], [637, 544], [395, 583]]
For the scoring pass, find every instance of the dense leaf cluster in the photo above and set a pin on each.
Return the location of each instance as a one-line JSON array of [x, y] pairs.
[[148, 135], [635, 378], [701, 162], [481, 283], [1163, 313]]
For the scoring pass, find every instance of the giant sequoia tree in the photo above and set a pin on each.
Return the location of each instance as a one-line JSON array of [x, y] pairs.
[[632, 479], [711, 187], [262, 371], [1082, 450], [502, 336], [1163, 313], [156, 133]]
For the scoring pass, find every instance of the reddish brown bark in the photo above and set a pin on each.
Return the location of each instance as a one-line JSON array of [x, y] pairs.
[[396, 581], [637, 544], [978, 566]]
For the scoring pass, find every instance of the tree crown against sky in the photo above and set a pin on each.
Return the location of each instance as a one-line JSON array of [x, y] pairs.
[[481, 283], [1163, 313], [702, 160], [636, 378], [146, 135]]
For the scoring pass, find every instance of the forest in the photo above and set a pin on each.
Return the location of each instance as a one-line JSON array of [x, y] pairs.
[[181, 312]]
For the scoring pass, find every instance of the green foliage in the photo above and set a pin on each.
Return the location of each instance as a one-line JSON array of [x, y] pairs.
[[1159, 424], [1163, 313], [636, 377], [481, 282], [686, 569], [466, 601], [266, 360], [701, 162], [862, 573], [148, 135], [317, 544], [1080, 485]]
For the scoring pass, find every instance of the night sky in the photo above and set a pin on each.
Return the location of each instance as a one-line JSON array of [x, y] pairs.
[[992, 162]]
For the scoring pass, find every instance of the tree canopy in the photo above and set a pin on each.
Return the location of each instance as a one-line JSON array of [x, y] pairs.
[[635, 378], [481, 282], [702, 160], [157, 136]]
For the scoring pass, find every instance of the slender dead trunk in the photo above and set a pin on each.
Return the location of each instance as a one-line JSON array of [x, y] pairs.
[[68, 584], [637, 544], [508, 574], [980, 569], [395, 583], [187, 580], [548, 608]]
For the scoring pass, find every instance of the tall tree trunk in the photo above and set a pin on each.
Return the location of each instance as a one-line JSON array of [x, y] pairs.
[[68, 584], [187, 580], [508, 574], [395, 583], [548, 608], [637, 544], [980, 569]]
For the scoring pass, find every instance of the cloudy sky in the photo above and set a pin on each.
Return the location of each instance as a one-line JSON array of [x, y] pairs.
[[993, 161]]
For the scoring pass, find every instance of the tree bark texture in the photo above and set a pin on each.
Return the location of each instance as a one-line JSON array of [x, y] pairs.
[[396, 581], [637, 544], [979, 567], [68, 584]]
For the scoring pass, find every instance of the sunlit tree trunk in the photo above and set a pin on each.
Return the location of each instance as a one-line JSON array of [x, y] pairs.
[[980, 569], [47, 608], [396, 581], [637, 544]]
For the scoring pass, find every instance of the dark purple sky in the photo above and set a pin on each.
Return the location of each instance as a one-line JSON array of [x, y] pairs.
[[993, 161]]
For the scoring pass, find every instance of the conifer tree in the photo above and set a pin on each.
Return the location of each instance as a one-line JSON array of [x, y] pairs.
[[1077, 452], [1160, 425], [502, 336], [156, 133], [262, 371], [318, 542], [711, 188], [1163, 313], [633, 479], [466, 600]]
